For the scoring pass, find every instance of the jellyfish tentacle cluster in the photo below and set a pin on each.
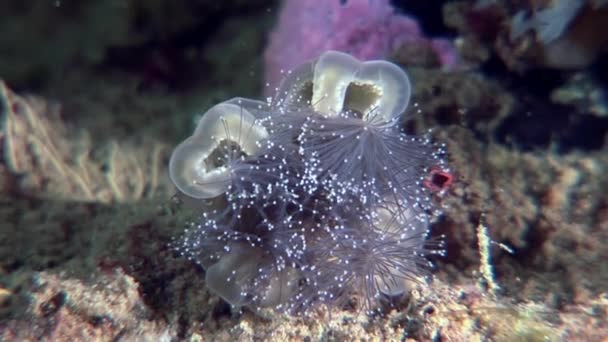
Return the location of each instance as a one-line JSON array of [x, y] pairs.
[[316, 195]]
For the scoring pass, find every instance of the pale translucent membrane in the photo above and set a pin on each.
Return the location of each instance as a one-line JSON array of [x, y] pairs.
[[259, 109], [296, 88], [382, 89], [190, 174], [379, 90], [230, 276], [281, 286], [333, 73], [190, 168], [410, 229], [392, 86], [236, 272]]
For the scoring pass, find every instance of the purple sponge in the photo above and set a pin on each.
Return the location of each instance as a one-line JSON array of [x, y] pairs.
[[366, 29]]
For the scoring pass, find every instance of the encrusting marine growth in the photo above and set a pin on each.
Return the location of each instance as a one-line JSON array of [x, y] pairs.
[[314, 197]]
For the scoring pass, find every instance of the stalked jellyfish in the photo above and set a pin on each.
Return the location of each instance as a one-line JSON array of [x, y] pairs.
[[313, 197]]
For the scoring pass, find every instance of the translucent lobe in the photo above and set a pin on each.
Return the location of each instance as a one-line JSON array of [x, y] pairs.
[[296, 89], [393, 90], [380, 91], [333, 73], [229, 275], [402, 229], [192, 168]]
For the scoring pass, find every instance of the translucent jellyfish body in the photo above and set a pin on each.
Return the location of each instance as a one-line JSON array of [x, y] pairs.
[[378, 91], [200, 166], [322, 192]]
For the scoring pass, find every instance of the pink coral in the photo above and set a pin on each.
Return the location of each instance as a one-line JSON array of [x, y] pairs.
[[366, 29]]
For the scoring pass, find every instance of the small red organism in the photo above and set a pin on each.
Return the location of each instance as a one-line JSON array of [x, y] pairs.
[[438, 179]]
